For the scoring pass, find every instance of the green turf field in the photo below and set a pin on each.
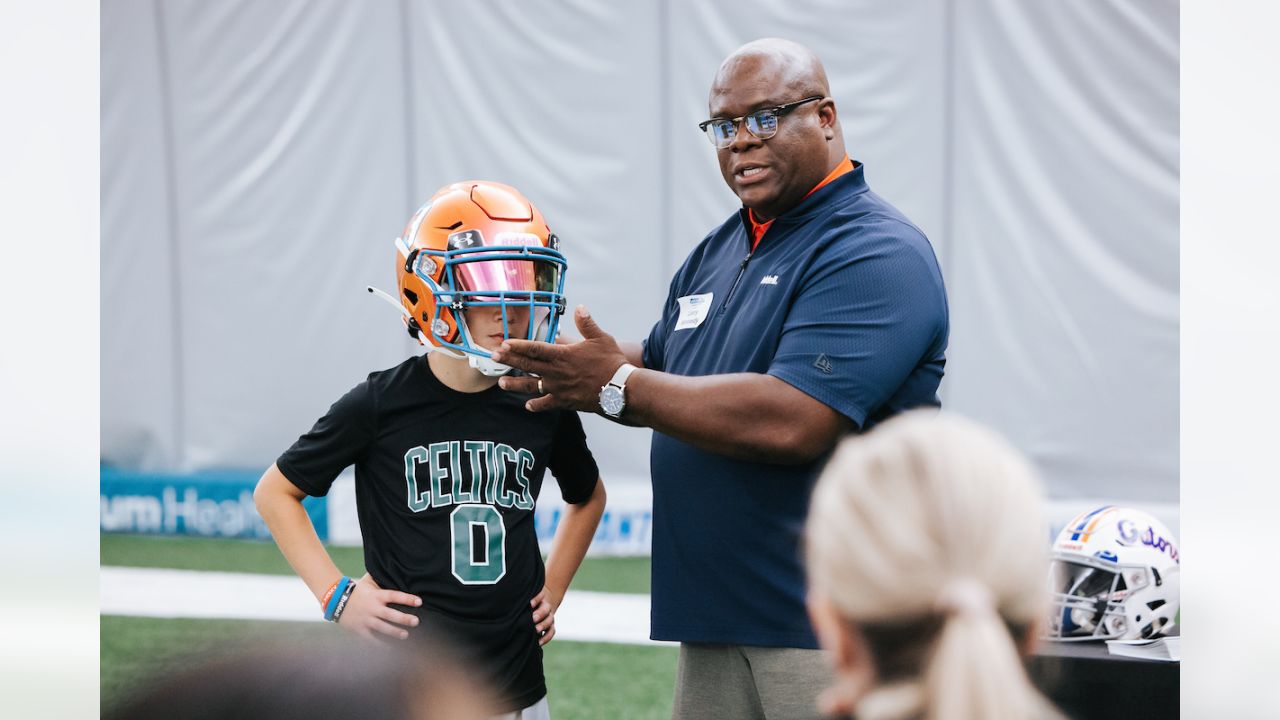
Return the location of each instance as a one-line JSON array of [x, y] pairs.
[[585, 680], [624, 575]]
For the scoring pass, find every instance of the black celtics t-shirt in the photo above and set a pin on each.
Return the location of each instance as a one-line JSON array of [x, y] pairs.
[[445, 489]]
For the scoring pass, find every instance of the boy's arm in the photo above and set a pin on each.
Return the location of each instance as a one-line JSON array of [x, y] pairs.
[[573, 537], [279, 502]]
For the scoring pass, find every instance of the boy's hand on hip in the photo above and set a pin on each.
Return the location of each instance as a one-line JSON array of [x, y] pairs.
[[544, 615], [368, 611]]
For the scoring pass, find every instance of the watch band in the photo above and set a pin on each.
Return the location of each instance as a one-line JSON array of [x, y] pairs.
[[613, 396], [619, 378]]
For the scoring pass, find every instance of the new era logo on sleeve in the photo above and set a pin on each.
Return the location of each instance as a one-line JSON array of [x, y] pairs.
[[823, 363]]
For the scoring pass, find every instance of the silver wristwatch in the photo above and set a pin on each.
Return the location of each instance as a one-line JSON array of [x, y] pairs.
[[613, 397]]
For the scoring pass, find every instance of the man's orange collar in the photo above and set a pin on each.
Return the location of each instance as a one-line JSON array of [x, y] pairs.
[[758, 228]]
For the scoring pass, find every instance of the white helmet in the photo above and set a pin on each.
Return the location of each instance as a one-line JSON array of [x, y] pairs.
[[1113, 575]]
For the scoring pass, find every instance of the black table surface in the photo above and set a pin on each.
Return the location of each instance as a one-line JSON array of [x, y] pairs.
[[1086, 681]]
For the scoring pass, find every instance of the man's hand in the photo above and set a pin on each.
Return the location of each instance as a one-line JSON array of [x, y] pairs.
[[368, 611], [571, 374], [544, 606]]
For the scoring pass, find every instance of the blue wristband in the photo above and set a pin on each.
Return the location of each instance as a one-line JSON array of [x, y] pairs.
[[337, 595], [342, 601]]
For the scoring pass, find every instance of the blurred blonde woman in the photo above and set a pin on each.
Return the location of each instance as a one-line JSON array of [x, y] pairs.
[[926, 557]]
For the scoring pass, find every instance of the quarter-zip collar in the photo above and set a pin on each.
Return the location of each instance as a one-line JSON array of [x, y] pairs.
[[757, 229]]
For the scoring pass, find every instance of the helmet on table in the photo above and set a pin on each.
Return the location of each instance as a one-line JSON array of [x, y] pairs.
[[1113, 575]]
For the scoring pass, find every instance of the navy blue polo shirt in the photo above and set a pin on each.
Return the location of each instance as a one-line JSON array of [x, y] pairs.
[[842, 299]]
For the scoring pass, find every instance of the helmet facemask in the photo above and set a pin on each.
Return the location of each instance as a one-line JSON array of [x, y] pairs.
[[478, 246], [513, 273], [1088, 597]]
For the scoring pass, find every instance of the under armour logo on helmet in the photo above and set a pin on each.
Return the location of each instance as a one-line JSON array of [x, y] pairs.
[[464, 239]]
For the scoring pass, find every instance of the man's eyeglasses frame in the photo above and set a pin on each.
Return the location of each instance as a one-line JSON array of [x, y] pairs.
[[756, 118]]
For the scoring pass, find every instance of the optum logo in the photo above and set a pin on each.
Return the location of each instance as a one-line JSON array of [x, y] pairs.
[[190, 514]]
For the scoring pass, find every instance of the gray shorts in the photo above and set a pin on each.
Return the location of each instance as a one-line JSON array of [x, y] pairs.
[[749, 683]]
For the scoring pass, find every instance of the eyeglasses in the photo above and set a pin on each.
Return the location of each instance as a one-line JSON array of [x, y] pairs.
[[762, 123]]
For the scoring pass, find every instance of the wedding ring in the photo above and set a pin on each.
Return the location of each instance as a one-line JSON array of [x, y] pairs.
[[540, 390]]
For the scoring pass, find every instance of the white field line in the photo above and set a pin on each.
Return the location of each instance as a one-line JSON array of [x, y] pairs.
[[149, 592]]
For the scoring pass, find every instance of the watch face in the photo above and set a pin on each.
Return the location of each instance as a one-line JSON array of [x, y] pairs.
[[611, 400]]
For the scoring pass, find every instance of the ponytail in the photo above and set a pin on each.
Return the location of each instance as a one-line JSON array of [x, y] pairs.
[[975, 670], [926, 535]]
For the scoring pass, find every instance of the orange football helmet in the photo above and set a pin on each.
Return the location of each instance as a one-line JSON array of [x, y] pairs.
[[478, 244]]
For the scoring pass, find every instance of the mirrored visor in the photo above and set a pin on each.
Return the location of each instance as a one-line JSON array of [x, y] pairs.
[[506, 277]]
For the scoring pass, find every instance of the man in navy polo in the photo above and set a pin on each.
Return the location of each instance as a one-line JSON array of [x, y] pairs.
[[816, 310]]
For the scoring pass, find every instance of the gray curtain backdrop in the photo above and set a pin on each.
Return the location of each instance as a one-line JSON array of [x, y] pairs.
[[258, 158]]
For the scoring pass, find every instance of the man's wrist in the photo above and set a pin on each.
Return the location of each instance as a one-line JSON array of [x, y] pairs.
[[613, 398]]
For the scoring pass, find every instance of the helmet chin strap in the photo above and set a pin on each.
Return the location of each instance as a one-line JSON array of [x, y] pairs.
[[405, 312], [390, 300], [487, 366], [444, 351]]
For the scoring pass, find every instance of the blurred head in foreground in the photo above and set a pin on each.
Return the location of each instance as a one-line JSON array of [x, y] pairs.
[[336, 678], [926, 559]]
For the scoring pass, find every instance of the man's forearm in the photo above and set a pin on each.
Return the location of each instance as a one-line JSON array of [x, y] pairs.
[[748, 416]]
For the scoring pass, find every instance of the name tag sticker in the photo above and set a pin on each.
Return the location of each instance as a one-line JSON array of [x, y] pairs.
[[693, 310]]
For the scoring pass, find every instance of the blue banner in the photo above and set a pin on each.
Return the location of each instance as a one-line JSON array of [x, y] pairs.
[[205, 504]]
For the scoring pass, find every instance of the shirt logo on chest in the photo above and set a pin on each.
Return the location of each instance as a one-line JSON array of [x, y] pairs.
[[769, 280], [497, 474]]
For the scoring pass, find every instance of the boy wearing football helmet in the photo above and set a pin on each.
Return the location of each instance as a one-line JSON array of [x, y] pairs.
[[448, 467]]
